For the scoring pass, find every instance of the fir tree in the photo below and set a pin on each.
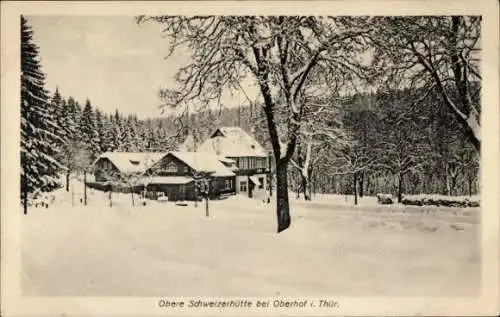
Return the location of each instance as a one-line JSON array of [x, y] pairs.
[[88, 131], [63, 119], [128, 135], [103, 143], [117, 132], [142, 137], [39, 166], [109, 134]]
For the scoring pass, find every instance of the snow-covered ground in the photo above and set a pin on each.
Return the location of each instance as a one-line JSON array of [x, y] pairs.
[[332, 247]]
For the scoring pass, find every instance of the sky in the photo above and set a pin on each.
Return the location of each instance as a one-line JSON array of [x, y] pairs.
[[112, 61]]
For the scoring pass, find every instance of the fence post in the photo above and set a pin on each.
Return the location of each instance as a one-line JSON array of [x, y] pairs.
[[85, 188], [207, 192], [110, 202], [206, 206]]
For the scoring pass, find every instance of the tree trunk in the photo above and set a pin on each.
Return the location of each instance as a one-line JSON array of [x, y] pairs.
[[469, 180], [400, 187], [270, 177], [361, 184], [306, 187], [271, 186], [67, 180], [448, 186], [206, 206], [333, 185], [132, 195], [282, 203], [312, 184], [85, 188], [250, 187], [445, 186], [453, 184], [110, 201], [25, 193], [368, 185], [355, 188]]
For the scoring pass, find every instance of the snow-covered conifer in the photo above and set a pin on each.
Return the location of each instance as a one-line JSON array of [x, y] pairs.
[[39, 139]]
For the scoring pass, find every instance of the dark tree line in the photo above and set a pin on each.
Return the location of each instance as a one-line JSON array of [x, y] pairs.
[[405, 145]]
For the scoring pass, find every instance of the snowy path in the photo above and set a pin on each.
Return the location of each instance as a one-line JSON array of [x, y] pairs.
[[166, 250]]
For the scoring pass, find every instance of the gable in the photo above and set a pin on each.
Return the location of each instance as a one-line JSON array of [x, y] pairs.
[[217, 133], [232, 142], [171, 165], [106, 164], [131, 162]]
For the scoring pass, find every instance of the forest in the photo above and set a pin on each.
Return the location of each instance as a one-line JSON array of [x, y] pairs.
[[407, 122]]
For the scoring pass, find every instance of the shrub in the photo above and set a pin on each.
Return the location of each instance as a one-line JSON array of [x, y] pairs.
[[384, 199], [441, 200]]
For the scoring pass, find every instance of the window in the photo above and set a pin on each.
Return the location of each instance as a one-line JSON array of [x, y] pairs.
[[171, 168], [262, 162], [227, 184], [134, 162], [243, 186], [261, 182]]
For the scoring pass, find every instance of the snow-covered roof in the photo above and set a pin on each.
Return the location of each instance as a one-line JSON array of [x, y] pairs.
[[166, 180], [255, 180], [232, 142], [204, 161], [226, 160], [132, 162]]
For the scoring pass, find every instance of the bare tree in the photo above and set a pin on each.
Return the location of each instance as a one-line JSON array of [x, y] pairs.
[[461, 160], [320, 130], [404, 145], [282, 55], [352, 160], [436, 52]]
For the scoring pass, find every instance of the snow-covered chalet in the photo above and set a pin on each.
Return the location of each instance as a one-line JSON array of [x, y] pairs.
[[251, 159], [236, 162], [169, 174]]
